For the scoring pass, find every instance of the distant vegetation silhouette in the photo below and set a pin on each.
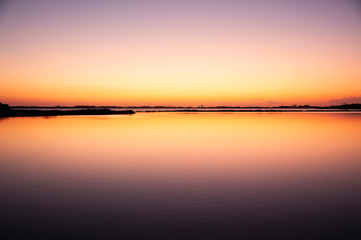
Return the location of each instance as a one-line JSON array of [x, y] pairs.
[[343, 106], [6, 111], [4, 107], [25, 111]]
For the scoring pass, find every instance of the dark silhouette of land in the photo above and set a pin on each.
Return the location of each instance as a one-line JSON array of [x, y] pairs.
[[343, 106], [6, 111], [27, 111]]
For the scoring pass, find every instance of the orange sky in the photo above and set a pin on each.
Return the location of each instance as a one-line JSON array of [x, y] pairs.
[[182, 53]]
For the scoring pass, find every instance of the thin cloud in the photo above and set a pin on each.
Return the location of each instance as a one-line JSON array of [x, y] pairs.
[[273, 102], [345, 101]]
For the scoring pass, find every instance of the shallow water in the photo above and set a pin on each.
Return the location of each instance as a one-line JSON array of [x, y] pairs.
[[181, 176]]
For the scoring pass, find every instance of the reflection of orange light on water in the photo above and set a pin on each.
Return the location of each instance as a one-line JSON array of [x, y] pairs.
[[174, 144]]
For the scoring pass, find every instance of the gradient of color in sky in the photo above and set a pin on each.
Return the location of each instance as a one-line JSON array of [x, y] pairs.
[[189, 52]]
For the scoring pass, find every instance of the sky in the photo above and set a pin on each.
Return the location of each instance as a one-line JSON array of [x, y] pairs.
[[180, 53]]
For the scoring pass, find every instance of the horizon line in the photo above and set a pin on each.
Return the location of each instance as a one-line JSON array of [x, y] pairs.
[[172, 106]]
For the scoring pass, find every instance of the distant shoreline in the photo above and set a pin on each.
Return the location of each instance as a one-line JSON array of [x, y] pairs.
[[95, 112], [354, 106], [255, 110], [50, 113], [30, 111]]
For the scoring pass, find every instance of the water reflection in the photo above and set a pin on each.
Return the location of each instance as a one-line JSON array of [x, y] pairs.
[[186, 176]]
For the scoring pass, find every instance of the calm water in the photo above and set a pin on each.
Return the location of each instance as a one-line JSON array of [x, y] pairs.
[[181, 176]]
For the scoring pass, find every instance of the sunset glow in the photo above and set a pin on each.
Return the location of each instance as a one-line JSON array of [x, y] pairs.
[[180, 53]]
